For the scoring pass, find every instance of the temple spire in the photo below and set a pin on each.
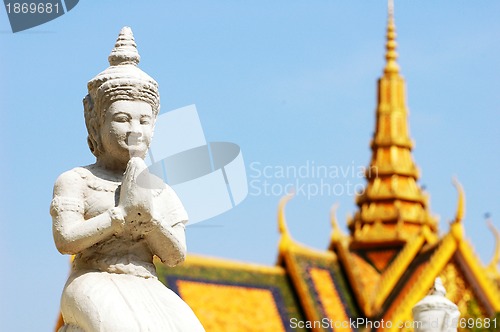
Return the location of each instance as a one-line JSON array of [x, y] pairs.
[[392, 208], [391, 55]]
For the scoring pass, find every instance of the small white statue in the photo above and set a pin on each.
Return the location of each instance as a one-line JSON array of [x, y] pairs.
[[114, 216], [435, 313]]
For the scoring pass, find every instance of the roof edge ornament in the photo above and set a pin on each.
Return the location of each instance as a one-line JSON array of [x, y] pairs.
[[495, 260], [337, 233], [460, 212], [282, 226]]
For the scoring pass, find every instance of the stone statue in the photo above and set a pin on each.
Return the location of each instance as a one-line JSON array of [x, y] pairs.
[[435, 313], [114, 216]]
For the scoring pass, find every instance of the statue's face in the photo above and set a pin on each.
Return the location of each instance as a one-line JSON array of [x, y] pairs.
[[127, 130]]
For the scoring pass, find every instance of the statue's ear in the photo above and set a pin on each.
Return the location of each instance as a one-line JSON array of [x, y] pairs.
[[93, 138], [92, 144], [91, 118]]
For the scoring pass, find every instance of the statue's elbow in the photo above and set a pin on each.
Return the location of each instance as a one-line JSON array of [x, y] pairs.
[[63, 244], [63, 248]]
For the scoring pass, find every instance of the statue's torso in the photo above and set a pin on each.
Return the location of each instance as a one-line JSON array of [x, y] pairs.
[[125, 253]]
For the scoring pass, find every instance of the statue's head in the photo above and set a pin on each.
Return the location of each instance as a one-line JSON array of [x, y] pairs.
[[121, 93]]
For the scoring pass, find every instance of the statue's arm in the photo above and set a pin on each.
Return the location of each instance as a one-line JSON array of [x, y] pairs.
[[72, 233], [168, 243], [167, 239]]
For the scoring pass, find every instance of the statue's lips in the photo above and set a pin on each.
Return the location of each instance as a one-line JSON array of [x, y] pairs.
[[131, 141]]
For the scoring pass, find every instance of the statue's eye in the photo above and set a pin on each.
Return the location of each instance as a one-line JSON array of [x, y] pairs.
[[121, 118], [145, 120]]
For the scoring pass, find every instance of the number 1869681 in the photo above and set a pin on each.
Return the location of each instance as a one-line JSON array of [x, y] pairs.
[[32, 8]]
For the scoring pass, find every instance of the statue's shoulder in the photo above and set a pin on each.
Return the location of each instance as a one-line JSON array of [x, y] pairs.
[[80, 173], [72, 180], [77, 174]]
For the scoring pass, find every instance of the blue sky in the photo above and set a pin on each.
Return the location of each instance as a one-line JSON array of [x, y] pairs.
[[292, 83]]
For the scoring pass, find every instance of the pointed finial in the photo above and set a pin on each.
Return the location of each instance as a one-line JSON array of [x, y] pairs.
[[336, 232], [496, 255], [282, 228], [459, 215], [438, 288], [285, 242], [391, 55], [125, 51]]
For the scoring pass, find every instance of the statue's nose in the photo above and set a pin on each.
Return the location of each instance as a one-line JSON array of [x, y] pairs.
[[135, 129]]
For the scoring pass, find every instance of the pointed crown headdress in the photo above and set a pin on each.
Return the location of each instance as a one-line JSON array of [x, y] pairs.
[[122, 80]]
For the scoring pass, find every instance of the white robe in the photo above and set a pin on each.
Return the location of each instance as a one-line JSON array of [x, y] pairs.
[[113, 285]]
